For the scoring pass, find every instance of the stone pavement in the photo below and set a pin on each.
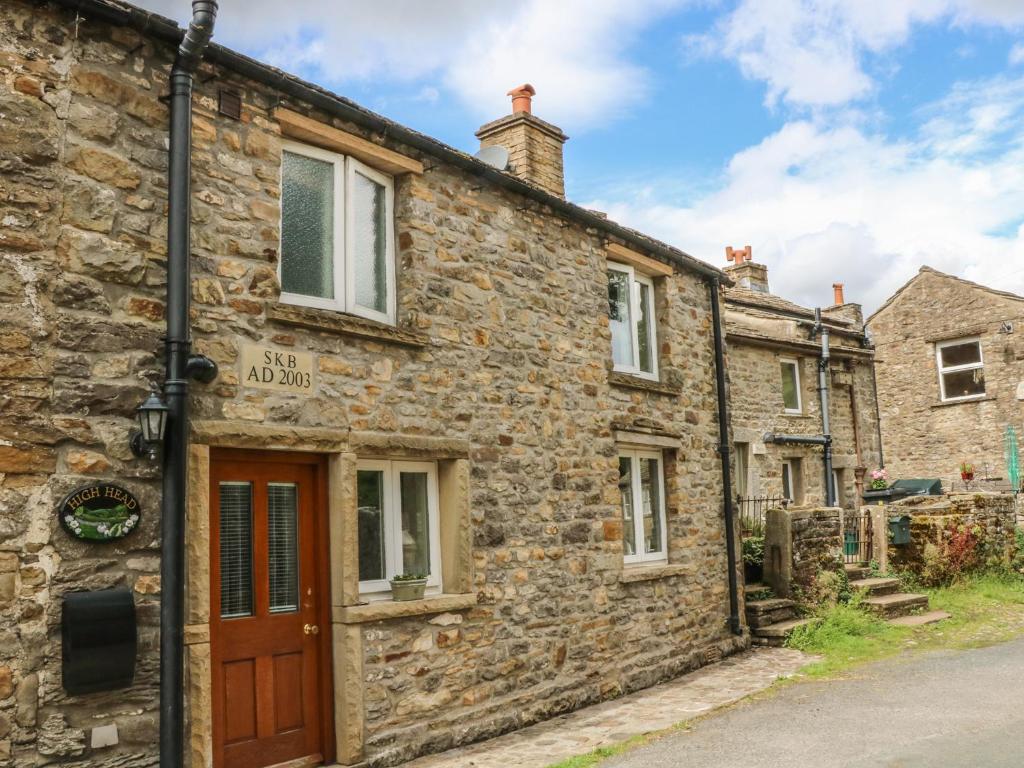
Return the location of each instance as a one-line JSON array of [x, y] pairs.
[[652, 709]]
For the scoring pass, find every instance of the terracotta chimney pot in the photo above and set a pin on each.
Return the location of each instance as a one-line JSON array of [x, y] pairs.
[[521, 98], [739, 255], [837, 291]]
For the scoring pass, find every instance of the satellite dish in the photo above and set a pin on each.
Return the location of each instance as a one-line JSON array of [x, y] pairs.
[[496, 157]]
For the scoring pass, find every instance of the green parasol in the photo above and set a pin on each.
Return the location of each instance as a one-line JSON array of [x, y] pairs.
[[1012, 455]]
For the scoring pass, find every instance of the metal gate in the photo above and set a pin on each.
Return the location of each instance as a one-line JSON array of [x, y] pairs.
[[857, 538]]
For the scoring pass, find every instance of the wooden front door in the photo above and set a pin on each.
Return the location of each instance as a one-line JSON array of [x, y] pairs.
[[269, 621]]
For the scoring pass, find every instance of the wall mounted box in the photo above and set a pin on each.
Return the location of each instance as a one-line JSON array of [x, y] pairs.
[[99, 640]]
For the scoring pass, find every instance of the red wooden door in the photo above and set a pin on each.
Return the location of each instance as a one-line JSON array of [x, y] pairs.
[[269, 621]]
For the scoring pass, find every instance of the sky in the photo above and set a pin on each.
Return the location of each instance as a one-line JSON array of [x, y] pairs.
[[847, 141]]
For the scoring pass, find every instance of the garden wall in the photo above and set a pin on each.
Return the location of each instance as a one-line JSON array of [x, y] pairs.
[[798, 544]]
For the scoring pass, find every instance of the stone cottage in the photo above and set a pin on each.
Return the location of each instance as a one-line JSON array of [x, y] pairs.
[[774, 356], [950, 376], [428, 365]]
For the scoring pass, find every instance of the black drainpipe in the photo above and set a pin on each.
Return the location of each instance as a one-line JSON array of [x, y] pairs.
[[724, 452], [181, 366], [826, 429]]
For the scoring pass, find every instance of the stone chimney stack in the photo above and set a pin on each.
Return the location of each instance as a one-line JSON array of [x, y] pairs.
[[837, 294], [534, 146], [745, 271]]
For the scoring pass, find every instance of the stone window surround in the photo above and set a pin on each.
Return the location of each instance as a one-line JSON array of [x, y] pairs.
[[348, 612]]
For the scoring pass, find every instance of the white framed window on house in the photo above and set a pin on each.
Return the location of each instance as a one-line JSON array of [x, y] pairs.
[[741, 451], [631, 315], [337, 234], [793, 481], [790, 369], [837, 483], [398, 523], [642, 490], [961, 369]]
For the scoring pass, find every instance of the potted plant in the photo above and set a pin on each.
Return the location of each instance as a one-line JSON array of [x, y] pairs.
[[879, 479], [966, 471], [408, 586], [753, 559]]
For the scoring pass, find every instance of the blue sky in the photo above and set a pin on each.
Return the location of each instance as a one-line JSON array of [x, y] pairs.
[[846, 140]]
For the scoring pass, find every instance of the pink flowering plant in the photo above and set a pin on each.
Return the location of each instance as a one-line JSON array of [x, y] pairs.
[[879, 479]]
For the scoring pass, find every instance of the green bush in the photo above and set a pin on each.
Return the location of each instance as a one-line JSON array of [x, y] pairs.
[[753, 550]]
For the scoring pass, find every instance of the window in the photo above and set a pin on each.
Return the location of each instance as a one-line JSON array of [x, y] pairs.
[[398, 523], [791, 385], [792, 481], [837, 483], [961, 369], [742, 453], [631, 313], [642, 490], [337, 234]]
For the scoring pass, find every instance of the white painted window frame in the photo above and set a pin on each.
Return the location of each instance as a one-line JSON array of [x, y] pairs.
[[343, 236], [943, 370], [392, 522], [789, 478], [635, 281], [795, 362], [642, 556]]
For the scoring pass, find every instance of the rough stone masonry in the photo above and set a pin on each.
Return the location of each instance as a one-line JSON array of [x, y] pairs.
[[502, 345]]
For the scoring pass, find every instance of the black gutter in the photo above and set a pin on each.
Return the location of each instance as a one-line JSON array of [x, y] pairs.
[[724, 454], [124, 14], [823, 401], [180, 367], [878, 414]]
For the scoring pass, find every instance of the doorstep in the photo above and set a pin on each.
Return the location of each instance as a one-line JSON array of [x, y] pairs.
[[652, 709]]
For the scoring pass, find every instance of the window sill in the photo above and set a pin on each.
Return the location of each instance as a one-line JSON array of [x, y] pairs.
[[390, 609], [629, 381], [632, 574], [965, 401], [346, 325]]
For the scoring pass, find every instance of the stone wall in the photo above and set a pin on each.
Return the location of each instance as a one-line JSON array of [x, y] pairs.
[[799, 544], [502, 342], [923, 436], [991, 515]]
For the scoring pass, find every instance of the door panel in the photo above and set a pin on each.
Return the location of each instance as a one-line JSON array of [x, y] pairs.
[[271, 668]]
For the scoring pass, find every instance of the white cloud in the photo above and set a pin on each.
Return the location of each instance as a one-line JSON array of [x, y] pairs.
[[1016, 55], [823, 205], [814, 52], [574, 52]]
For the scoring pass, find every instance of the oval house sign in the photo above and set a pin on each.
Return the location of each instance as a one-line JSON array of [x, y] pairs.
[[101, 512]]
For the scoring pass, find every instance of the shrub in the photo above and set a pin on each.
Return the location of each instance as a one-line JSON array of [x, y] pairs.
[[830, 587], [753, 550], [959, 552]]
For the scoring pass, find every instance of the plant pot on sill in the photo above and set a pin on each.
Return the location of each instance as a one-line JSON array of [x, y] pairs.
[[966, 476], [407, 589]]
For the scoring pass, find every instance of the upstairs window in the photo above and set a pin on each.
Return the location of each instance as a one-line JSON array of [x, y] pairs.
[[791, 385], [399, 528], [337, 234], [631, 313], [642, 490], [961, 369]]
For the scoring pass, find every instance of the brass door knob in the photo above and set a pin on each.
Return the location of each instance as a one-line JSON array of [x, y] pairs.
[[311, 629]]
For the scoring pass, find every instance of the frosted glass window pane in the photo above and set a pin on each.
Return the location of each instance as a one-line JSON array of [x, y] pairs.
[[415, 527], [235, 549], [618, 312], [283, 549], [370, 492], [307, 226], [626, 495], [369, 236], [643, 329]]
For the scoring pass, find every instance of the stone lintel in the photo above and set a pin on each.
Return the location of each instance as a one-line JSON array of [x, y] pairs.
[[368, 444], [241, 434], [641, 262], [645, 439]]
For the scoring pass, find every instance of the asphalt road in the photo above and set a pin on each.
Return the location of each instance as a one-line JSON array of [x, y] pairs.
[[949, 709]]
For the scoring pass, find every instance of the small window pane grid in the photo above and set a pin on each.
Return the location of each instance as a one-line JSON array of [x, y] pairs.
[[236, 594], [399, 527], [631, 317], [642, 489], [283, 546], [791, 386], [961, 369], [337, 234]]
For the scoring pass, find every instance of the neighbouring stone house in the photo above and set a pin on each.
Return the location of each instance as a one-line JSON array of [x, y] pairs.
[[950, 362], [426, 364], [773, 364]]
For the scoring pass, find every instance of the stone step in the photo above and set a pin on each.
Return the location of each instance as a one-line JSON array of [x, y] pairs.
[[776, 634], [896, 604], [761, 613], [857, 572], [876, 586], [751, 589], [919, 619]]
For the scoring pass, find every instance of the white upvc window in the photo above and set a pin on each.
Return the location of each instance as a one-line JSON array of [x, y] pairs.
[[631, 316], [337, 234], [961, 369], [398, 524], [791, 400], [642, 491], [788, 481]]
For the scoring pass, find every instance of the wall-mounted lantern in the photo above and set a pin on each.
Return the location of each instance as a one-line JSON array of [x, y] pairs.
[[152, 416]]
